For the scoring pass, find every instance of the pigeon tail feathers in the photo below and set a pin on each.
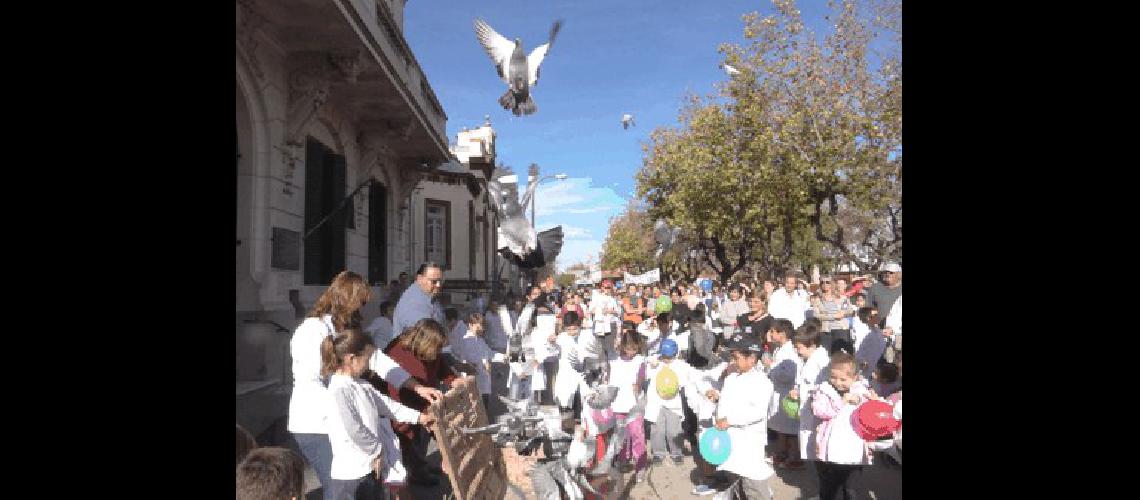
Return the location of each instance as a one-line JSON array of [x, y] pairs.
[[525, 106], [507, 101]]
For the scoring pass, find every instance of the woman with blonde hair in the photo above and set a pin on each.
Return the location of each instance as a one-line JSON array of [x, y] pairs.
[[336, 311]]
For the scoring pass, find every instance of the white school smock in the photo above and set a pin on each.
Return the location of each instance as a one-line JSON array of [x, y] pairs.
[[745, 401], [786, 365], [623, 374], [517, 384], [600, 308], [709, 378], [859, 331], [571, 351], [653, 401], [790, 307], [812, 373], [309, 402], [844, 445], [682, 340], [360, 429], [543, 349]]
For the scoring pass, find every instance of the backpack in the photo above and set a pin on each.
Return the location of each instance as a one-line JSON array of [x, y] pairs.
[[701, 346]]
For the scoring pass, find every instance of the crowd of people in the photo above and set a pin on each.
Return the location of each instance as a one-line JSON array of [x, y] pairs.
[[784, 370]]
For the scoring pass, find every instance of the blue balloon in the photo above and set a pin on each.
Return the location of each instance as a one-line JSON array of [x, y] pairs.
[[715, 446]]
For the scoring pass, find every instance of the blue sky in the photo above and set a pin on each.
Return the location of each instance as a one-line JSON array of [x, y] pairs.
[[611, 57]]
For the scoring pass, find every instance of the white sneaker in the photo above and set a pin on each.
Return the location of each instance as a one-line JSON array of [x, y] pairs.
[[723, 495]]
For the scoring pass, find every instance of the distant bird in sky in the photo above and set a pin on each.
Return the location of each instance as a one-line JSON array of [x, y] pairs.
[[627, 120], [519, 71], [730, 70]]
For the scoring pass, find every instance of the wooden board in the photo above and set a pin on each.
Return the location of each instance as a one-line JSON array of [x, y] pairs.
[[473, 462]]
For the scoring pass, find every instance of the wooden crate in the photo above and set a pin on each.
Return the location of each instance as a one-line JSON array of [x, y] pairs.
[[472, 462]]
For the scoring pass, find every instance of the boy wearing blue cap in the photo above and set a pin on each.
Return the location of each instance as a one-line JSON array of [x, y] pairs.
[[667, 377], [743, 406]]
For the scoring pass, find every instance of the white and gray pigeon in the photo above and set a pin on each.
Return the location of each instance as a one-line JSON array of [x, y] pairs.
[[627, 120], [730, 70], [518, 70]]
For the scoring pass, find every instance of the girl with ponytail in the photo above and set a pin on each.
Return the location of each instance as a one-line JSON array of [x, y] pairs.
[[360, 421], [335, 312]]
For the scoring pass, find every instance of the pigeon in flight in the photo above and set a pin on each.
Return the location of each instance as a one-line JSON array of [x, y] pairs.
[[730, 70], [518, 70], [627, 120]]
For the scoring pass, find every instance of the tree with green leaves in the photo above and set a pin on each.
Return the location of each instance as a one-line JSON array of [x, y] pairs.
[[565, 280], [797, 160], [629, 241]]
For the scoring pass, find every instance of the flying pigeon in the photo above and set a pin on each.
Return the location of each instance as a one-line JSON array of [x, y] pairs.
[[627, 120], [730, 70], [519, 71]]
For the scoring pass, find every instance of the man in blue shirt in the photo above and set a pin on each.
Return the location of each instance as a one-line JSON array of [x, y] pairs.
[[417, 302]]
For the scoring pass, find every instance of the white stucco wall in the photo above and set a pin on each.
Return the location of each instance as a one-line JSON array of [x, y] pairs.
[[263, 202]]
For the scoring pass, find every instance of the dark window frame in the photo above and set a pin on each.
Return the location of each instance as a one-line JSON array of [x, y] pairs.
[[472, 241], [446, 205], [325, 254], [377, 234]]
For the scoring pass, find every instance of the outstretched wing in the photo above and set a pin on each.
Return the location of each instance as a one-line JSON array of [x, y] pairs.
[[534, 60], [498, 48], [550, 241]]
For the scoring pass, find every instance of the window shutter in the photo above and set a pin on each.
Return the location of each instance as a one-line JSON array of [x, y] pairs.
[[377, 244], [336, 225], [314, 184]]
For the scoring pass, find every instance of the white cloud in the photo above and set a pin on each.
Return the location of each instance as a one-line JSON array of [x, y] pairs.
[[576, 233], [590, 210], [575, 251], [582, 209], [575, 195]]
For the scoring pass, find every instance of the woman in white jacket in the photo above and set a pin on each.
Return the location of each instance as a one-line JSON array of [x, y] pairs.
[[337, 309], [360, 429]]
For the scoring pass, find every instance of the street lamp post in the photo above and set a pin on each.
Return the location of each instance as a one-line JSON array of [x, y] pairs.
[[533, 171], [533, 174]]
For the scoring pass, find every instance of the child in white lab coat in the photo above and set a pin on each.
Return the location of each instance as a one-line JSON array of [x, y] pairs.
[[360, 430], [783, 366], [841, 449], [743, 406], [663, 403], [812, 373], [708, 383], [627, 373], [473, 349], [573, 348]]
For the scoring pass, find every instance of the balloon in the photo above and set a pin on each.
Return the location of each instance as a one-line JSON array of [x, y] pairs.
[[715, 446], [667, 384], [791, 407]]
